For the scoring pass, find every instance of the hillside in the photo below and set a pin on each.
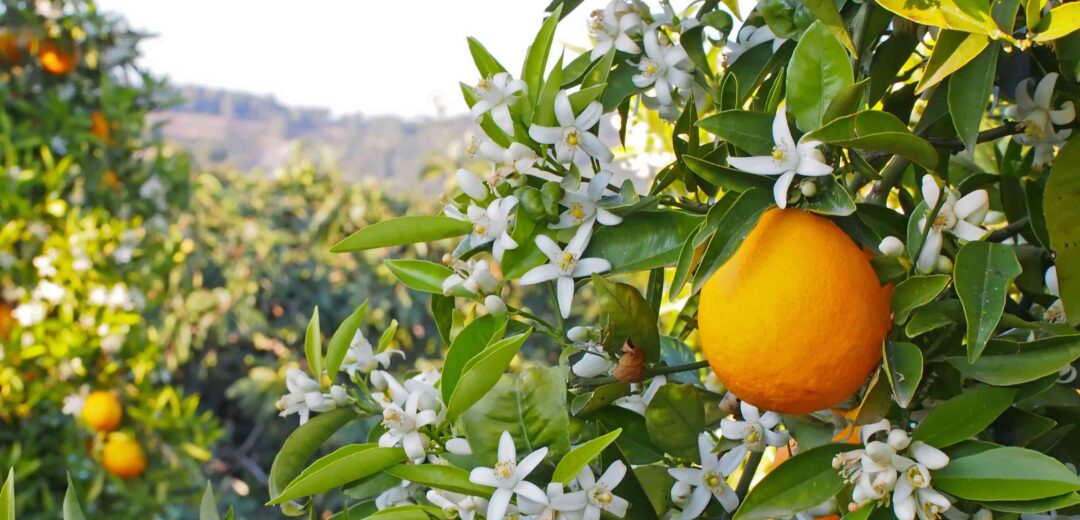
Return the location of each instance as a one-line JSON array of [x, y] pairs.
[[247, 132]]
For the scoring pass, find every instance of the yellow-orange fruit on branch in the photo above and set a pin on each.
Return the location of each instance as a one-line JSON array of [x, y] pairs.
[[794, 321], [123, 456], [102, 411]]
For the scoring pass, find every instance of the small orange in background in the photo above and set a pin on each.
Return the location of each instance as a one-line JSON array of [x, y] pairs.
[[10, 52], [99, 126], [109, 179], [102, 411], [5, 320], [793, 321], [56, 59], [123, 456]]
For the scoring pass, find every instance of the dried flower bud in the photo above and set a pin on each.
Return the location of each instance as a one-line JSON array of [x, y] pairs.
[[631, 367]]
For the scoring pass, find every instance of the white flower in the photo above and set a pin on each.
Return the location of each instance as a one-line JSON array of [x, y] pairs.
[[572, 137], [638, 403], [361, 357], [494, 93], [495, 305], [392, 393], [73, 403], [787, 159], [960, 216], [1055, 313], [664, 67], [493, 225], [508, 477], [455, 505], [458, 446], [30, 313], [49, 292], [471, 184], [305, 396], [708, 481], [566, 264], [1037, 117], [755, 430], [44, 265], [613, 27], [474, 276], [396, 496], [559, 505], [594, 362], [891, 246], [403, 425], [584, 204], [511, 164], [748, 38], [596, 496]]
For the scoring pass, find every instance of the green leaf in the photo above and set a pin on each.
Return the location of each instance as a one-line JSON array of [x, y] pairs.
[[1060, 21], [599, 397], [402, 230], [635, 441], [448, 478], [915, 292], [831, 198], [482, 372], [387, 335], [952, 51], [803, 482], [674, 418], [629, 315], [848, 100], [72, 509], [545, 103], [208, 508], [486, 64], [530, 405], [420, 275], [313, 346], [1041, 505], [572, 463], [933, 316], [962, 15], [982, 275], [818, 70], [747, 131], [904, 366], [732, 229], [301, 444], [727, 178], [963, 416], [472, 340], [344, 465], [825, 10], [643, 241], [1031, 361], [1062, 213], [1006, 474], [442, 313], [536, 59], [342, 338], [7, 497], [877, 131], [969, 91]]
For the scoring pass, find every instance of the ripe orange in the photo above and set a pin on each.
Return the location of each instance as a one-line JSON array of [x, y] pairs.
[[10, 53], [102, 411], [794, 321], [56, 59], [5, 320], [99, 126], [123, 456]]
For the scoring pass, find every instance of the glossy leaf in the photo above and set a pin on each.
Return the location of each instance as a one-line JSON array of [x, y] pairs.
[[933, 316], [530, 405], [732, 228], [7, 497], [1060, 21], [71, 508], [420, 275], [674, 418], [402, 230], [208, 506], [961, 15], [915, 292], [748, 131], [799, 484], [969, 92], [439, 476], [342, 339], [825, 10], [1041, 505], [1007, 473], [313, 346], [1062, 213], [831, 198], [877, 131], [301, 444], [629, 315], [952, 51], [818, 70], [963, 416], [725, 177], [982, 275], [572, 463], [481, 373], [473, 339], [344, 465], [536, 60], [904, 366], [1029, 362], [643, 241], [486, 64]]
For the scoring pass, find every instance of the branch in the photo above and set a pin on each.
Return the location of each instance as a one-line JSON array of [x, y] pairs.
[[658, 371], [956, 144], [1009, 231]]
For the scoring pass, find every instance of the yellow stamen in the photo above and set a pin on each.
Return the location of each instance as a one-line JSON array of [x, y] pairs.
[[711, 479], [572, 139], [567, 261], [778, 153]]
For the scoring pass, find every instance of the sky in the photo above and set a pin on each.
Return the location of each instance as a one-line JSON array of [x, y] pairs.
[[367, 56]]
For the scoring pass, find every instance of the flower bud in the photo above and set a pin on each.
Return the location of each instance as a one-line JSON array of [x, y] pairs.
[[713, 384], [993, 217], [1051, 279], [808, 188], [378, 380], [458, 446], [579, 333], [485, 280], [891, 246], [899, 439], [495, 305], [339, 395], [471, 184], [943, 264], [680, 493]]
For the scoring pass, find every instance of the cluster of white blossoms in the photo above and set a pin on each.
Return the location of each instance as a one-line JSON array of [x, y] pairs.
[[894, 468], [1037, 118], [960, 216]]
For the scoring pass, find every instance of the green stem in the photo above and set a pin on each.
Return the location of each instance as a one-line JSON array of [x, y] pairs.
[[748, 474], [890, 177], [1009, 231]]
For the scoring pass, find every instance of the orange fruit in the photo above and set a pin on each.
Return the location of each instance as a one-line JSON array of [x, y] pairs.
[[57, 60], [794, 321], [99, 126], [10, 53], [5, 320], [102, 411], [123, 457]]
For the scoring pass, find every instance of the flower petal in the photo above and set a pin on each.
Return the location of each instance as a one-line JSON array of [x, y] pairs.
[[483, 476], [594, 147], [499, 503], [1044, 91], [545, 134], [590, 266], [699, 500], [614, 474], [565, 293], [690, 476], [540, 274], [507, 451], [732, 429], [530, 462], [760, 165], [531, 491], [780, 189], [589, 116], [564, 113], [930, 251]]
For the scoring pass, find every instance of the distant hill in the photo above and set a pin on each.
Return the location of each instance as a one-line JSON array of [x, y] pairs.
[[248, 132]]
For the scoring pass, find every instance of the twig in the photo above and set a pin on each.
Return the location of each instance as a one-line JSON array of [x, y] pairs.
[[1009, 231], [658, 371], [890, 176], [955, 143]]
